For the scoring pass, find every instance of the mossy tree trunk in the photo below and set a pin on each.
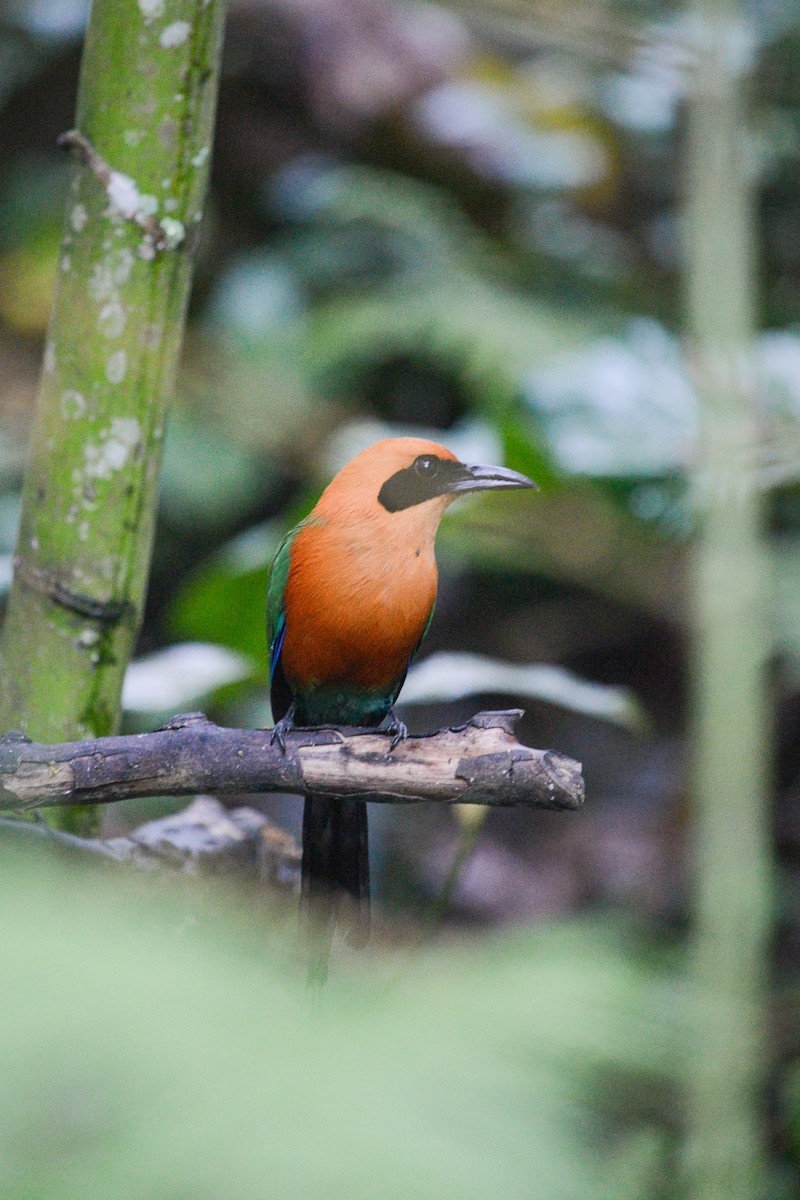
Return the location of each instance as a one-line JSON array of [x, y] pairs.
[[730, 832], [144, 128]]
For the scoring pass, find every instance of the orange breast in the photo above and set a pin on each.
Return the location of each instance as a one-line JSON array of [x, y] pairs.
[[356, 605]]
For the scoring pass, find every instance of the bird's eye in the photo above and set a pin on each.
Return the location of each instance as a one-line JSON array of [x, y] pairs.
[[426, 465]]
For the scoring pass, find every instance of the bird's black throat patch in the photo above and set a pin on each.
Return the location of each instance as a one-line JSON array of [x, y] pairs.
[[427, 477]]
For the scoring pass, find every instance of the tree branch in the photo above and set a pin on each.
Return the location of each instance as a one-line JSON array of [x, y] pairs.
[[123, 194], [203, 837], [477, 763]]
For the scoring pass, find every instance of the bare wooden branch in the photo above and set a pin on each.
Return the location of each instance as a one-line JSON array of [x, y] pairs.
[[478, 763], [123, 194], [203, 838]]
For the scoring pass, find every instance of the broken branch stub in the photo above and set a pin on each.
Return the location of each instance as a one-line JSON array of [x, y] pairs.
[[478, 763]]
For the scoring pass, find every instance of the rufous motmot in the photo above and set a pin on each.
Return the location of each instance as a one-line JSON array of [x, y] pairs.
[[350, 597]]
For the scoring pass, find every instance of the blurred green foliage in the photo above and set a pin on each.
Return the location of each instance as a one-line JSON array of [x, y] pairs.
[[156, 1044]]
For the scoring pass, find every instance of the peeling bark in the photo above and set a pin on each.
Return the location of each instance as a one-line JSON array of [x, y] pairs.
[[478, 763]]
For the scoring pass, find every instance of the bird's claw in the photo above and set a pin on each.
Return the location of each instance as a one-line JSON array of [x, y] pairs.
[[397, 730], [282, 727]]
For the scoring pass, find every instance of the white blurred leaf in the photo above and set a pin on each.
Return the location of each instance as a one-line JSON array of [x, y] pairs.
[[451, 676], [6, 573], [620, 406], [626, 406], [181, 676]]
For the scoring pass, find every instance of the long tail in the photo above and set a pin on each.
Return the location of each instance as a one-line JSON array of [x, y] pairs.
[[335, 874]]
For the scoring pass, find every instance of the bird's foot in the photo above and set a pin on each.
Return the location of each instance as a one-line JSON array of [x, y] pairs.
[[282, 727], [397, 729]]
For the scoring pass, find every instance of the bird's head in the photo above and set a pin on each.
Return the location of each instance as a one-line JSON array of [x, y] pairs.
[[411, 476]]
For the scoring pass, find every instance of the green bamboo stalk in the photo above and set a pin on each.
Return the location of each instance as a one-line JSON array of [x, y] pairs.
[[471, 820], [726, 1153], [145, 118]]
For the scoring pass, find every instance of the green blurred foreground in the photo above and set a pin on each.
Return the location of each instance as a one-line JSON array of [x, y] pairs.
[[153, 1045]]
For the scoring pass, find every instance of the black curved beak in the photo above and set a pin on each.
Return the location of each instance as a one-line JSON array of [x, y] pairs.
[[478, 478]]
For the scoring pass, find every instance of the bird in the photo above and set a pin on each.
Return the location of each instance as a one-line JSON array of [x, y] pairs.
[[350, 597]]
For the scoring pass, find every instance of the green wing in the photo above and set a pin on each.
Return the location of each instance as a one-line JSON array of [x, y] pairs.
[[425, 630], [276, 589], [399, 687]]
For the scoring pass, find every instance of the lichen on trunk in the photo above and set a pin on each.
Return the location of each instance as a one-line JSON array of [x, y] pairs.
[[144, 126]]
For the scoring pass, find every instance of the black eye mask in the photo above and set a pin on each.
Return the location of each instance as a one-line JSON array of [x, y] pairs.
[[427, 477], [430, 476]]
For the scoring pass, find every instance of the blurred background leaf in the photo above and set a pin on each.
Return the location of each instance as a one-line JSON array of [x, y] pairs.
[[145, 1052]]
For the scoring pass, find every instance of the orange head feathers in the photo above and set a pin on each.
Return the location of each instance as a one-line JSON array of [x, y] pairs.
[[357, 486]]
